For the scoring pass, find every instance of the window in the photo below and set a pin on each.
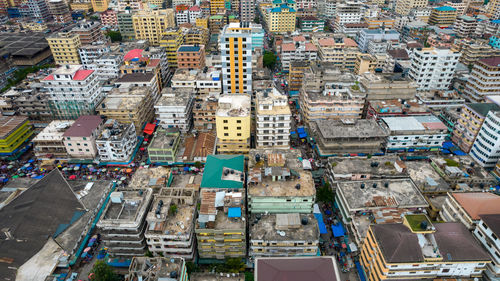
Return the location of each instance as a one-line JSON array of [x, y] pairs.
[[225, 121], [226, 134]]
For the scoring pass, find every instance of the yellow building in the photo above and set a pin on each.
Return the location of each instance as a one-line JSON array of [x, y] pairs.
[[81, 6], [418, 250], [34, 26], [202, 22], [281, 17], [64, 47], [171, 40], [443, 16], [232, 122], [150, 24], [381, 22], [368, 63], [14, 133], [99, 5], [403, 7], [216, 6], [196, 36], [340, 50]]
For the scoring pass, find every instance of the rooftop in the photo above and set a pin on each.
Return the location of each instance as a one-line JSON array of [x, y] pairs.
[[175, 97], [491, 61], [114, 131], [462, 167], [189, 48], [271, 227], [207, 276], [136, 78], [362, 128], [54, 131], [414, 123], [84, 126], [221, 210], [425, 176], [184, 74], [155, 177], [223, 171], [445, 9], [376, 194], [199, 146], [164, 139], [155, 269], [126, 209], [478, 203], [493, 222], [124, 98], [296, 269], [9, 124], [374, 166], [233, 106], [483, 108]]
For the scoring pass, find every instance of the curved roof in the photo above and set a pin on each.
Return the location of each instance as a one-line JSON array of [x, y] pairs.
[[132, 54]]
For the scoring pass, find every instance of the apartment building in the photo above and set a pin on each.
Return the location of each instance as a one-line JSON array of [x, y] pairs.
[[191, 56], [443, 16], [116, 142], [80, 138], [148, 80], [465, 26], [172, 38], [281, 16], [175, 109], [99, 5], [483, 79], [74, 91], [196, 36], [433, 68], [375, 35], [273, 117], [208, 83], [145, 268], [236, 56], [296, 75], [340, 50], [164, 145], [82, 5], [132, 105], [486, 148], [126, 24], [204, 115], [109, 18], [467, 207], [36, 10], [403, 7], [298, 50], [487, 233], [60, 11], [217, 6], [170, 220], [220, 226], [15, 131], [368, 63], [150, 24], [347, 13], [469, 123], [473, 51], [232, 120], [64, 47], [49, 142], [89, 32], [89, 53], [278, 183], [184, 78], [247, 10], [107, 66], [123, 222]]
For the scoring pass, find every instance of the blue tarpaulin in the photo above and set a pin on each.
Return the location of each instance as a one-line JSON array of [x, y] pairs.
[[448, 145], [301, 130], [445, 151], [338, 230], [302, 135], [321, 224], [361, 272], [234, 212], [459, 152]]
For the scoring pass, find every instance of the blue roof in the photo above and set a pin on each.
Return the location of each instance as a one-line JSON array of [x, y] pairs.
[[338, 230], [212, 174], [234, 212], [445, 9], [189, 49], [495, 21], [321, 224]]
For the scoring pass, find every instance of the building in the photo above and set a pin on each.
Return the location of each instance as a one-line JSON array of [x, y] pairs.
[[368, 63], [426, 249], [80, 5], [64, 47], [164, 146], [440, 99], [443, 16], [465, 26], [204, 115], [36, 10], [150, 24], [99, 5], [232, 120], [196, 36], [218, 173], [278, 183], [89, 32], [403, 7], [481, 82], [217, 6], [473, 51], [363, 136], [340, 50], [149, 80], [462, 173], [487, 233], [469, 123], [60, 11], [208, 84], [123, 222], [467, 207], [281, 16], [170, 230], [437, 76], [486, 147], [116, 142], [109, 18], [171, 40], [175, 109], [247, 10], [15, 131], [128, 105], [296, 75], [49, 142], [273, 117], [191, 57], [126, 24], [198, 147], [346, 13], [298, 50], [236, 56], [159, 268], [311, 24], [410, 133], [320, 268], [342, 169], [215, 276], [375, 35], [80, 138], [220, 226], [91, 52], [107, 66], [283, 235]]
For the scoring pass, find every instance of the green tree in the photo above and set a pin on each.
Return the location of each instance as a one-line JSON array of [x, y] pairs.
[[256, 20], [173, 209], [94, 18], [115, 36], [148, 254], [248, 276], [103, 272], [269, 59], [324, 194], [191, 267], [234, 265], [198, 164], [20, 74]]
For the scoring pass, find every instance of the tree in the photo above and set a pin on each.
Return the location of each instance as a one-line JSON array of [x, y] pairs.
[[198, 164], [269, 59], [173, 209], [103, 272], [256, 20], [249, 276], [191, 267], [115, 36], [324, 194], [94, 18], [148, 254], [234, 265]]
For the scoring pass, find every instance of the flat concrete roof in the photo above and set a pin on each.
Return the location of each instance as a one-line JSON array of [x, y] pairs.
[[362, 128], [352, 165], [267, 227]]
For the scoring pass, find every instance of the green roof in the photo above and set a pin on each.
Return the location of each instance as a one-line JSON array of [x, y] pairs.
[[415, 222], [212, 175], [483, 108]]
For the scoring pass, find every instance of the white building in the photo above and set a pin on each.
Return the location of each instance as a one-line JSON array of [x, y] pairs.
[[89, 53], [184, 78], [175, 109], [208, 83], [433, 68], [194, 13], [80, 138], [188, 3], [375, 35], [73, 91], [348, 12], [330, 9], [297, 51], [182, 17], [117, 142], [148, 80], [273, 117], [488, 233], [107, 66], [49, 142], [486, 147]]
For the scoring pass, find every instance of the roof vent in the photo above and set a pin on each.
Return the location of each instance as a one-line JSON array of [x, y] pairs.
[[386, 185], [374, 185], [362, 186], [297, 186], [304, 221]]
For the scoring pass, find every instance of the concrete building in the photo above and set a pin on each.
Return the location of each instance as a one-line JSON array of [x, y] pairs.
[[432, 68], [403, 7], [208, 84], [283, 235], [80, 138], [341, 137], [465, 26], [440, 99], [126, 24], [60, 11], [107, 66], [191, 57], [375, 35], [149, 80], [109, 18], [430, 250], [474, 50], [340, 50], [342, 169], [164, 146], [443, 16], [233, 124], [236, 54], [123, 222], [388, 86], [410, 133], [64, 47], [89, 32], [281, 16], [172, 38], [74, 91], [486, 147], [150, 24], [36, 10], [278, 183], [469, 123], [99, 5], [324, 268], [296, 75], [467, 207], [90, 52], [487, 233], [482, 80], [170, 230], [311, 24], [116, 142], [462, 173], [156, 269], [204, 115], [49, 142], [175, 109], [247, 10], [15, 131], [214, 276], [220, 227], [197, 36], [298, 50], [273, 117], [348, 12]]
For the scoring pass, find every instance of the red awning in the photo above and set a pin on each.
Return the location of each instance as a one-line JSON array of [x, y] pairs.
[[149, 129]]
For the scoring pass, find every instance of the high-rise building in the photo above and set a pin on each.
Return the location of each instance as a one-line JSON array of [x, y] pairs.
[[99, 5], [273, 117], [216, 6], [60, 11], [89, 32], [236, 56], [125, 24], [443, 16], [403, 7], [433, 68], [150, 24], [232, 122], [109, 18], [64, 47], [171, 40], [486, 147], [483, 80], [36, 10], [247, 10], [281, 16]]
